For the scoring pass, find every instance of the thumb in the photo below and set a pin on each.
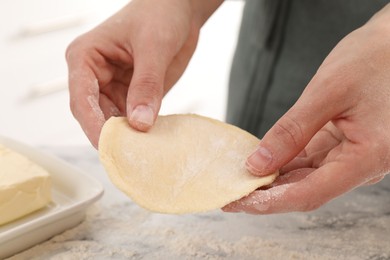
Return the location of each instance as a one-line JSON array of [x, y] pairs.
[[291, 133], [146, 88]]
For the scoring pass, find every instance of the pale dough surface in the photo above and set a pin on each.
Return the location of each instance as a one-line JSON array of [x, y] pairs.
[[184, 164]]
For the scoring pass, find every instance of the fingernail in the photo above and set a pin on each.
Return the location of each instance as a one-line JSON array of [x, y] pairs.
[[143, 115], [259, 161]]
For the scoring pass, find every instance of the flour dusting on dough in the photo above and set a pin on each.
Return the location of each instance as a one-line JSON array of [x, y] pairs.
[[184, 164]]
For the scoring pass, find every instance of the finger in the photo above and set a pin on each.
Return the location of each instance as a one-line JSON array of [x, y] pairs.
[[293, 131], [296, 163], [116, 93], [146, 89], [308, 194], [374, 180], [316, 150], [325, 139], [314, 160], [84, 99], [108, 107], [262, 195], [292, 176]]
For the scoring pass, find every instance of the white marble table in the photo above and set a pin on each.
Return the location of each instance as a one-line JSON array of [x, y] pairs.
[[355, 226]]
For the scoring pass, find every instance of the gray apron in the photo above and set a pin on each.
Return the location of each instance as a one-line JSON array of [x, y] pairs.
[[280, 46]]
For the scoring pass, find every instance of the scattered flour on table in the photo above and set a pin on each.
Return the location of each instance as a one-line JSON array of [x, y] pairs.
[[118, 235], [356, 228]]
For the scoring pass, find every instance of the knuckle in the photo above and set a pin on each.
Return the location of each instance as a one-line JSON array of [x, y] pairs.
[[311, 206], [334, 82], [73, 107], [376, 152], [75, 49], [72, 47], [149, 84], [68, 51], [166, 36], [76, 104], [289, 131], [168, 39]]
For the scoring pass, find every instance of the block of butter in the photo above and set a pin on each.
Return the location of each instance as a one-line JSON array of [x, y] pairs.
[[24, 186]]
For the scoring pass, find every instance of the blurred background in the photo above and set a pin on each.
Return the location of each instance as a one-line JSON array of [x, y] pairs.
[[34, 35]]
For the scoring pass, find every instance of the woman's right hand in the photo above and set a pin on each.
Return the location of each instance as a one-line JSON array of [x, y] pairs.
[[125, 65]]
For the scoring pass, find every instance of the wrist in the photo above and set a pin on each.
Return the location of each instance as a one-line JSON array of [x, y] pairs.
[[382, 17]]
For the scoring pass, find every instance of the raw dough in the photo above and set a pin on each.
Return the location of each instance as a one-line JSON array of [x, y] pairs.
[[184, 164]]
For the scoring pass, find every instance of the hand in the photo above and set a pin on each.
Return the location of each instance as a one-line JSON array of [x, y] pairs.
[[337, 135], [126, 65]]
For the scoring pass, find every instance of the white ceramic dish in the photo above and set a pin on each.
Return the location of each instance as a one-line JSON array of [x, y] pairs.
[[72, 192]]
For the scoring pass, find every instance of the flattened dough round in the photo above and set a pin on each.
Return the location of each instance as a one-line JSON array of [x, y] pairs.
[[184, 164]]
